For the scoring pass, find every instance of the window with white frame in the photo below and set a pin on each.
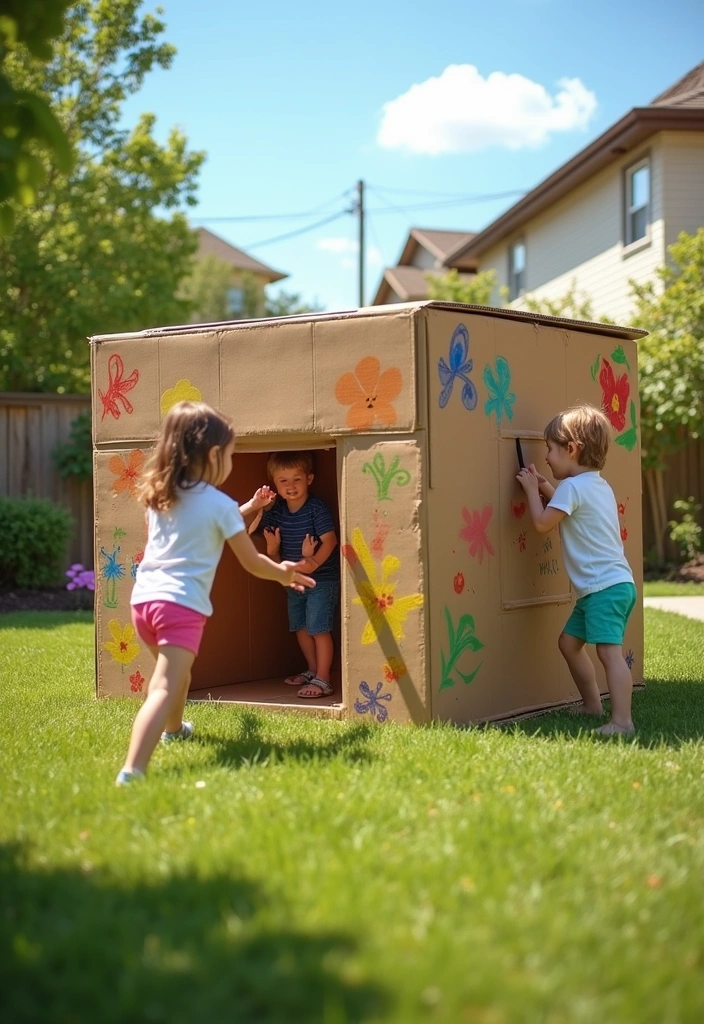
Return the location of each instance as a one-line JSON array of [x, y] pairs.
[[516, 270], [637, 202]]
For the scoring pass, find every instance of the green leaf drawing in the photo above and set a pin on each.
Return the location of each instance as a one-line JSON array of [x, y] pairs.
[[629, 438], [384, 477], [619, 356], [459, 640], [595, 368]]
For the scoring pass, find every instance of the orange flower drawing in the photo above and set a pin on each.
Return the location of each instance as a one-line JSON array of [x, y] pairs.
[[127, 472], [369, 394]]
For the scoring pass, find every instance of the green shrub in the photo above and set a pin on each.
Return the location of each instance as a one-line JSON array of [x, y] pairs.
[[35, 537], [74, 457], [687, 533]]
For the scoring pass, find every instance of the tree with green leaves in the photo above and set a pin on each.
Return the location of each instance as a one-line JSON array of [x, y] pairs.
[[92, 254], [671, 367], [571, 305], [475, 291], [209, 283], [30, 133]]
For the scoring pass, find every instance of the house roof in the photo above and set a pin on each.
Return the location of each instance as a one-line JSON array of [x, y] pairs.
[[679, 108], [211, 245], [408, 281]]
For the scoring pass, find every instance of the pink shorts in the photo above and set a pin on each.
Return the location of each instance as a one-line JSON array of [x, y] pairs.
[[163, 622]]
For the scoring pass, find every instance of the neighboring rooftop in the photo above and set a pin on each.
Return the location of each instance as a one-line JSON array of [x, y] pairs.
[[211, 245], [407, 280]]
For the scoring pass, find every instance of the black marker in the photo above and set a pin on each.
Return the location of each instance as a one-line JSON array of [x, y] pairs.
[[519, 453]]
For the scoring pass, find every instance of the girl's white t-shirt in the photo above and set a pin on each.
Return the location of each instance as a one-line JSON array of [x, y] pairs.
[[590, 534], [184, 546]]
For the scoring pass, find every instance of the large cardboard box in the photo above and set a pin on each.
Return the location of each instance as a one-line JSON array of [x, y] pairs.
[[451, 602]]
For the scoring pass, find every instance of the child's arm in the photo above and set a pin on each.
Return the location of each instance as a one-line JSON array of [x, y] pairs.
[[315, 558], [262, 497], [272, 539], [288, 574], [544, 519]]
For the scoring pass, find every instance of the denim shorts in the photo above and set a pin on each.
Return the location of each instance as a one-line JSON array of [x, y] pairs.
[[601, 618], [313, 610]]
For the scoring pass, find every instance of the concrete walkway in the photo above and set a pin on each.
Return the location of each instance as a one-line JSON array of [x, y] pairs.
[[692, 607]]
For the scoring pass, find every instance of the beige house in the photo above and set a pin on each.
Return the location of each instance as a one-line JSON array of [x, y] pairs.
[[245, 270], [425, 252], [607, 216]]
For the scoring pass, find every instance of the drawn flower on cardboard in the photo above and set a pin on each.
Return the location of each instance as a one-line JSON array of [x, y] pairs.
[[614, 398], [377, 592], [460, 638], [127, 471], [136, 682], [498, 384], [518, 509], [182, 391], [118, 385], [459, 365], [393, 669], [372, 704], [111, 571], [474, 532], [630, 658], [123, 647], [458, 582], [384, 477], [369, 394]]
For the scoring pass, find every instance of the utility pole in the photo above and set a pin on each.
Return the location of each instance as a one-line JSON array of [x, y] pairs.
[[360, 214]]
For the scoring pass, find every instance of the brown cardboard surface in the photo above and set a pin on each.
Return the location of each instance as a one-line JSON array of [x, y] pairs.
[[125, 388], [365, 374], [267, 379], [384, 588]]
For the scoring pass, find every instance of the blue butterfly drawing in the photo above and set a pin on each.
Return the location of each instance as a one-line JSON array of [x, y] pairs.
[[460, 366], [372, 704]]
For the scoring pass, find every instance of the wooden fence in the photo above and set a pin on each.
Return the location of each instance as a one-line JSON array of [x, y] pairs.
[[30, 428], [32, 425]]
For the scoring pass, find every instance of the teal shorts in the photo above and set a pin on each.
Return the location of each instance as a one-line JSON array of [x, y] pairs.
[[601, 618]]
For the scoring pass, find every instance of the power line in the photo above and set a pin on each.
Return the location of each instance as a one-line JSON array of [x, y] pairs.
[[470, 196], [300, 231], [273, 216]]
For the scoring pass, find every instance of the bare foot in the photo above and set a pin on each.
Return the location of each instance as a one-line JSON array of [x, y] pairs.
[[581, 709], [613, 729]]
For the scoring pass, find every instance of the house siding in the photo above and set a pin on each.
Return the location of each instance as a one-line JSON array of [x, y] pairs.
[[579, 240], [683, 183]]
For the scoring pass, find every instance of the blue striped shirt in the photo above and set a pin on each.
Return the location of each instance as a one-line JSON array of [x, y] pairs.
[[314, 518]]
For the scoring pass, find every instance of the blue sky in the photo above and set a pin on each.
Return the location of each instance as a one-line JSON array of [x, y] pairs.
[[426, 103]]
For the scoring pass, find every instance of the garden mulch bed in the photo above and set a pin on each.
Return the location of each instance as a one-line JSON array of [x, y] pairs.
[[54, 599]]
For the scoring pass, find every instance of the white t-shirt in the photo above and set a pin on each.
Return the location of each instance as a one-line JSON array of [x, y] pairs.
[[184, 546], [590, 534]]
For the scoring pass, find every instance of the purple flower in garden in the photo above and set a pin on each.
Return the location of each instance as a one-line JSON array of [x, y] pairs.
[[79, 577]]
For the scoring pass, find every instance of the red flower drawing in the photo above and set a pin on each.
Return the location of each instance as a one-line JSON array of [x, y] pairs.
[[621, 509], [614, 398], [624, 533], [518, 510], [475, 531], [136, 682], [522, 537], [458, 583], [118, 386]]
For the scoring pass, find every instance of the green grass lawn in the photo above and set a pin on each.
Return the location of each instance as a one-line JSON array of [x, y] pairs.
[[663, 588], [280, 869]]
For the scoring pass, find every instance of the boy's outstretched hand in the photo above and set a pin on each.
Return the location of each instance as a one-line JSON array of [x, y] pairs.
[[272, 539], [298, 581], [528, 479]]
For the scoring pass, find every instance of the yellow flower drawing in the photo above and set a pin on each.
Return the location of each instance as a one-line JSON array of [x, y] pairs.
[[123, 647], [182, 391], [378, 593]]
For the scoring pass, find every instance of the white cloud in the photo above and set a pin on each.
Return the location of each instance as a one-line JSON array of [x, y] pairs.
[[460, 111], [337, 245]]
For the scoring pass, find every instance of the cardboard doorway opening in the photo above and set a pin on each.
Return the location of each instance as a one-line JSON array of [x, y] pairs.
[[247, 649]]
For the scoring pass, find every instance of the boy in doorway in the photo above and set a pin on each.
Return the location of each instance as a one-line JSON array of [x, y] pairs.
[[298, 521]]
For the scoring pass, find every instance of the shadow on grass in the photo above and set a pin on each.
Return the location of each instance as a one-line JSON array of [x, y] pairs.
[[349, 745], [43, 620], [665, 713], [80, 948]]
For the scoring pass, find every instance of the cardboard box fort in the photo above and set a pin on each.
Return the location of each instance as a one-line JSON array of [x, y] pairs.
[[451, 602]]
